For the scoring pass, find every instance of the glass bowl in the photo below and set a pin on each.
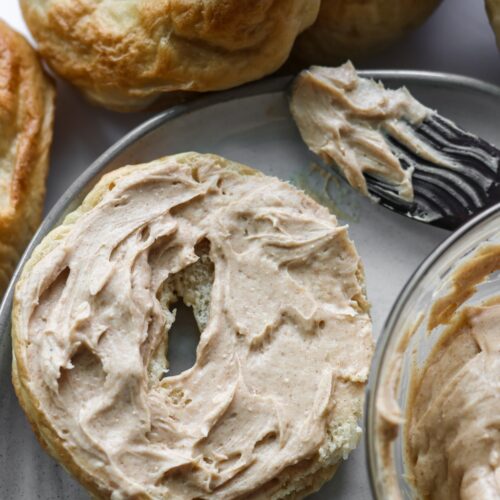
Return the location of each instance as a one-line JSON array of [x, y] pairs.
[[405, 340]]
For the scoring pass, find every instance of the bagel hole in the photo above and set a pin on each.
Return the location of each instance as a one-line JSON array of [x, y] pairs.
[[186, 292], [183, 339]]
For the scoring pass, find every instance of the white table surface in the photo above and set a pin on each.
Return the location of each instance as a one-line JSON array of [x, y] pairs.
[[457, 39]]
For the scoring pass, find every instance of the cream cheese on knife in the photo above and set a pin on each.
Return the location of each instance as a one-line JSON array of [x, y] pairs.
[[347, 121]]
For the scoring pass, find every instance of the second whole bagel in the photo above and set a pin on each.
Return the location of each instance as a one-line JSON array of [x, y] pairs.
[[124, 54], [27, 103], [351, 29]]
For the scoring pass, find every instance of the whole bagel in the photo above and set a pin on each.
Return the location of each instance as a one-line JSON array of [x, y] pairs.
[[350, 29], [272, 403], [123, 54], [26, 120]]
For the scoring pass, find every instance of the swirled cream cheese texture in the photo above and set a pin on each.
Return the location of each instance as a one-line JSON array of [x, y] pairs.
[[453, 415], [281, 363], [345, 119], [453, 435]]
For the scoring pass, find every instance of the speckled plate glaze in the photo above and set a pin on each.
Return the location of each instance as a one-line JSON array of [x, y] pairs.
[[251, 125]]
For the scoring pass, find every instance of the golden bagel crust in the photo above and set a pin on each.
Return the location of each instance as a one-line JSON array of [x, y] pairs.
[[122, 55], [295, 482], [348, 29], [26, 119]]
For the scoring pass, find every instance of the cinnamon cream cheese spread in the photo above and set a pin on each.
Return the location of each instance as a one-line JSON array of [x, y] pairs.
[[451, 423], [453, 416], [346, 119], [276, 390], [453, 431]]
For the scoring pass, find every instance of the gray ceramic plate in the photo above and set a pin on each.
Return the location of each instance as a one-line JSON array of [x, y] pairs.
[[251, 125]]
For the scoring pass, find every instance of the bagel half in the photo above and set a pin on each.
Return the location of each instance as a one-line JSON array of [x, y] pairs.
[[284, 350]]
